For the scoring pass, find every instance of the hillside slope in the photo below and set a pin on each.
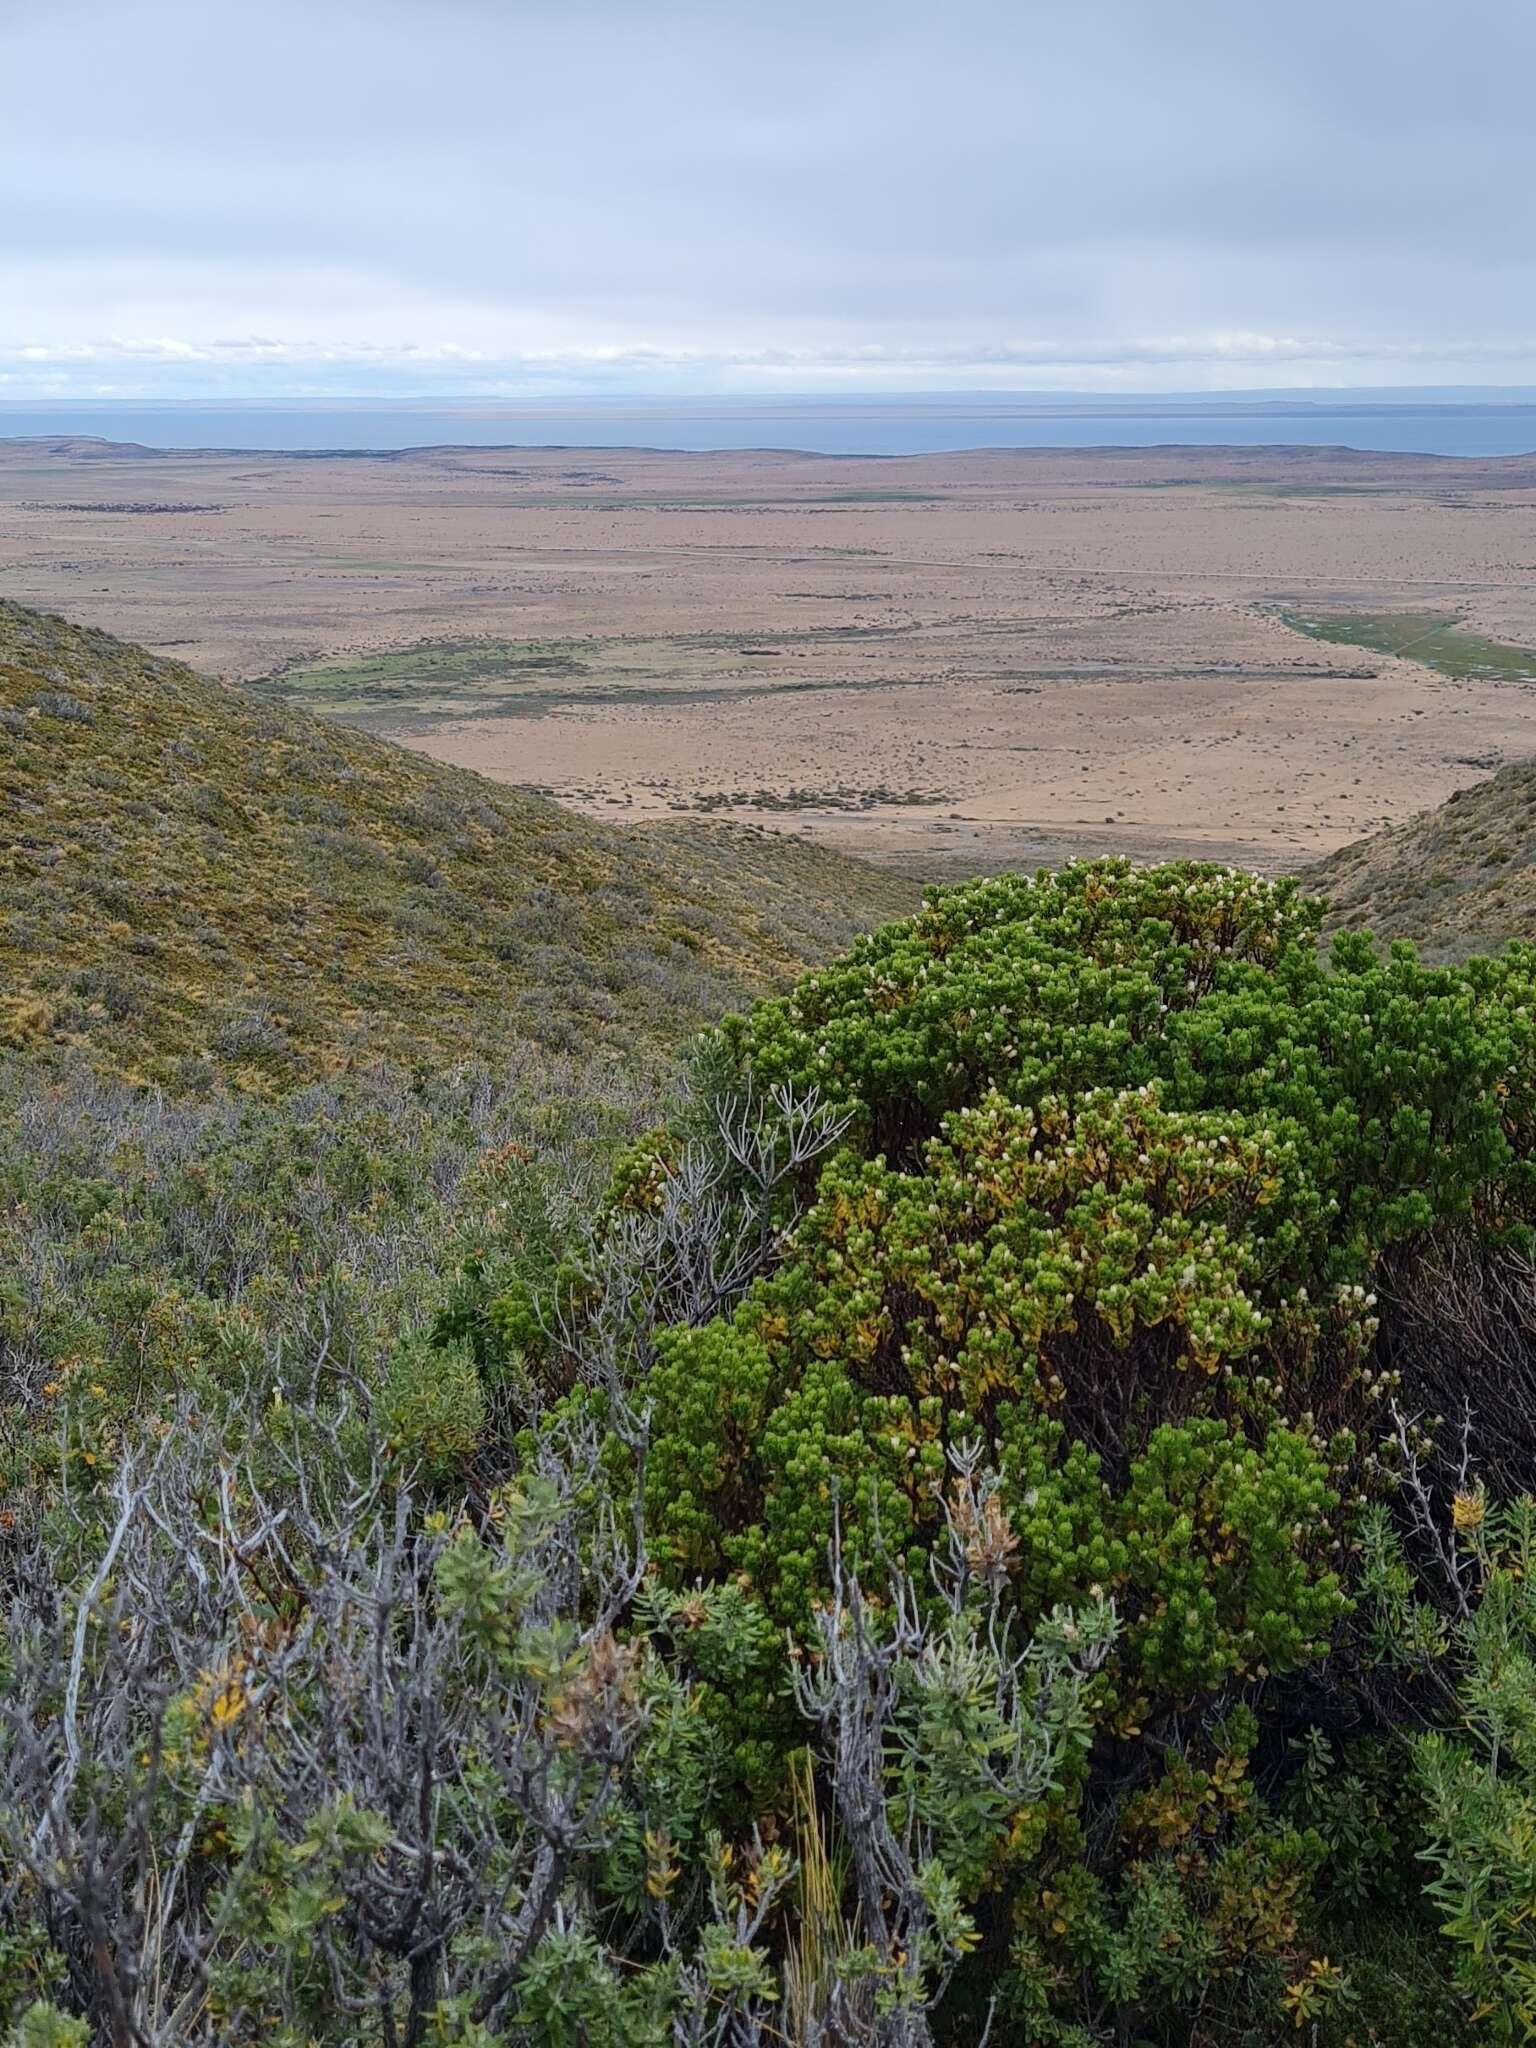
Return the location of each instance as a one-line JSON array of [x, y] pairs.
[[1459, 879], [187, 876]]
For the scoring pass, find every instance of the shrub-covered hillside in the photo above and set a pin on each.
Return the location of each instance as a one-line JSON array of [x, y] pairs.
[[193, 882], [1456, 880], [1011, 1510]]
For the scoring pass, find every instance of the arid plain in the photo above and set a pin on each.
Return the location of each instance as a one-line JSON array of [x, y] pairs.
[[950, 661]]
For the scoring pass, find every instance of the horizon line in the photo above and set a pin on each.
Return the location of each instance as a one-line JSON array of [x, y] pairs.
[[1307, 396]]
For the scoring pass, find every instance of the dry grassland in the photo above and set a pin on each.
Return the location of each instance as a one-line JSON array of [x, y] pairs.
[[950, 662]]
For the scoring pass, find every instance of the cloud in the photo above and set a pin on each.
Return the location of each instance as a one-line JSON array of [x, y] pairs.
[[509, 194]]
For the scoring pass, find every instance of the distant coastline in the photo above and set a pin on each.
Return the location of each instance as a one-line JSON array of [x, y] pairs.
[[1430, 422]]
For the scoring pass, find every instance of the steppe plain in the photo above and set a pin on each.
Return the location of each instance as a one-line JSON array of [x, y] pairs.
[[950, 662]]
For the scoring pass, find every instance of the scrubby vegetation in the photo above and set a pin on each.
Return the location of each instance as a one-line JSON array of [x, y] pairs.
[[1459, 879], [196, 886], [1009, 1508]]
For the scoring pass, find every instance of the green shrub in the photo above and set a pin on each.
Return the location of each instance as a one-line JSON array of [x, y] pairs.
[[1479, 1777], [432, 1409], [1127, 1163]]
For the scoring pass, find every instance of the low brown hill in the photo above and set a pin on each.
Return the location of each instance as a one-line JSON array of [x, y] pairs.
[[1457, 880]]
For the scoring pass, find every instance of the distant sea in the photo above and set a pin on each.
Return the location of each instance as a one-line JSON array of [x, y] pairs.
[[1455, 422]]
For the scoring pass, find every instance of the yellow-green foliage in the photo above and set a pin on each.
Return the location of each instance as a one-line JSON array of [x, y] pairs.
[[1126, 1154], [432, 1408], [191, 879]]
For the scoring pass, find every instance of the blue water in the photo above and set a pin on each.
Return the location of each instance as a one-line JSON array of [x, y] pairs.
[[886, 426]]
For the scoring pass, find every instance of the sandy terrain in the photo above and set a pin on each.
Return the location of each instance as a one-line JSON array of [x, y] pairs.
[[954, 660]]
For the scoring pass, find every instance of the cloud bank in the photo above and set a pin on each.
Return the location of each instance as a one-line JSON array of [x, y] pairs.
[[507, 198]]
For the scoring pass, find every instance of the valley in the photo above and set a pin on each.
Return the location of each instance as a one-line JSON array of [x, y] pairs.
[[947, 663]]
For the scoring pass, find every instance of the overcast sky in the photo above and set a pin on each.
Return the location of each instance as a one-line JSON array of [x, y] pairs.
[[274, 197]]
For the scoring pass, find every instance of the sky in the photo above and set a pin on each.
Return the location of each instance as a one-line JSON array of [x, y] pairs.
[[285, 198]]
